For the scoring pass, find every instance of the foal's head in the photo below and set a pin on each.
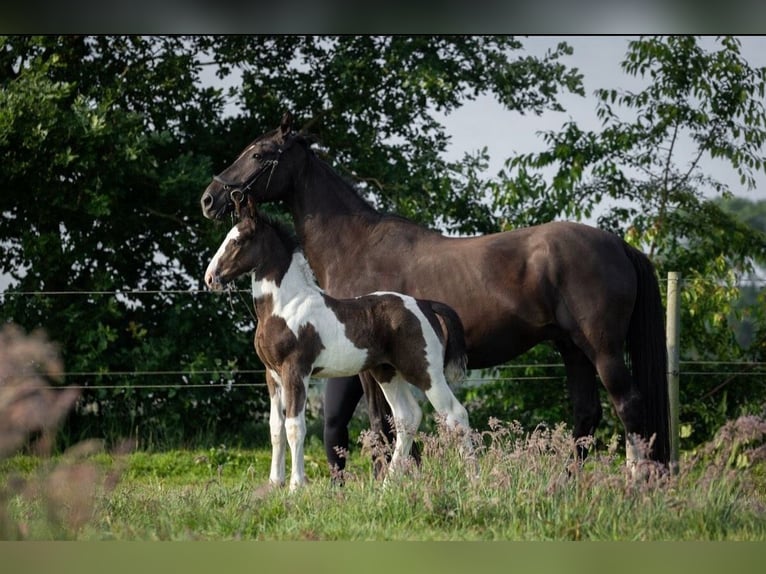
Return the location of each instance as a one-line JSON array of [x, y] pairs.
[[255, 245], [234, 257]]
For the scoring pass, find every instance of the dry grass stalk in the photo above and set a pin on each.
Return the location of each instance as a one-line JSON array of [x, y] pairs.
[[30, 414]]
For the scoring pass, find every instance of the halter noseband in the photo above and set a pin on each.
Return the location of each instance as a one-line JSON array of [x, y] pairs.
[[237, 191]]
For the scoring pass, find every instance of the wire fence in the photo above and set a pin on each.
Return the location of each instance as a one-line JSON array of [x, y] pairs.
[[225, 377], [684, 281], [692, 368]]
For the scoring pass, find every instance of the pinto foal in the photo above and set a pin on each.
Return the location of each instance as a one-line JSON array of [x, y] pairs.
[[303, 332]]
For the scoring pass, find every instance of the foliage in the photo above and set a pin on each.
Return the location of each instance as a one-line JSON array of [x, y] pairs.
[[108, 142], [632, 176], [98, 135]]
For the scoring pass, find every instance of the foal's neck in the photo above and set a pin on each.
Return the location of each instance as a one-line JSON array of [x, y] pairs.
[[296, 284]]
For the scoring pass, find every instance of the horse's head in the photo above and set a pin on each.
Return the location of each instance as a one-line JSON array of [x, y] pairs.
[[255, 173], [235, 256]]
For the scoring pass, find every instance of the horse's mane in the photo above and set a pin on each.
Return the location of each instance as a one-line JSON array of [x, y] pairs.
[[351, 186]]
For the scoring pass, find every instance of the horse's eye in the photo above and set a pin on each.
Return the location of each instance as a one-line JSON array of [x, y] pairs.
[[257, 156]]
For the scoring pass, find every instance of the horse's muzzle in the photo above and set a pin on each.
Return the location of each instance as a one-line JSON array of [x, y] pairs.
[[213, 209]]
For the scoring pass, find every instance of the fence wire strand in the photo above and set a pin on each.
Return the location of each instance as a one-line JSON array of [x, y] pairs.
[[744, 282], [230, 373]]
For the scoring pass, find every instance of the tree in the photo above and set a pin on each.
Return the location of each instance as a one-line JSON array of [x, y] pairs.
[[662, 202], [109, 141], [93, 132]]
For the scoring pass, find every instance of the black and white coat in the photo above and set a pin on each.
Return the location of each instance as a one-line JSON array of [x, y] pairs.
[[303, 332]]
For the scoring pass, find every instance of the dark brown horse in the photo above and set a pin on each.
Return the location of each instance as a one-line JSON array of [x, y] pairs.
[[596, 297]]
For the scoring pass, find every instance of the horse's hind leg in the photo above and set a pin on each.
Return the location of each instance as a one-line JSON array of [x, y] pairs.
[[583, 393], [446, 404], [379, 411], [618, 381], [406, 414]]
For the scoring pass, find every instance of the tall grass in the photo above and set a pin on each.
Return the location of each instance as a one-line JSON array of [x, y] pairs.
[[525, 486]]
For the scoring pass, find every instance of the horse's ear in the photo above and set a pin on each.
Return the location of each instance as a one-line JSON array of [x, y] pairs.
[[286, 125]]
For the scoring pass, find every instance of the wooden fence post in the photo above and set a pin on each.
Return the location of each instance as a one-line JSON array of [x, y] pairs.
[[673, 332]]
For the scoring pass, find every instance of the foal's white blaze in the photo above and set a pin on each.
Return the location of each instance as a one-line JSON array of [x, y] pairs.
[[212, 267], [298, 300]]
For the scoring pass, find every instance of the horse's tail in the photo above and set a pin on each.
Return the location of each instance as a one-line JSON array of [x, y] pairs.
[[455, 358], [648, 355]]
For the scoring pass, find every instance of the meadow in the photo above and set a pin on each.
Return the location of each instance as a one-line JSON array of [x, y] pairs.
[[527, 488]]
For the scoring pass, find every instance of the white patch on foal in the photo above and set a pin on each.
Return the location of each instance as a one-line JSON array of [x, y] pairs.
[[277, 432], [299, 301]]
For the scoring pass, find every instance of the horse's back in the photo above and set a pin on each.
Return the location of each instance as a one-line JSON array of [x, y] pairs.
[[511, 289]]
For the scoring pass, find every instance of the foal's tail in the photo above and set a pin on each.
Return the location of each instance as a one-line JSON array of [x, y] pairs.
[[455, 359], [648, 355]]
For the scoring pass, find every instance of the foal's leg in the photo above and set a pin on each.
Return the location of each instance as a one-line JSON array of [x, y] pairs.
[[295, 386], [276, 428], [406, 413], [446, 404], [379, 410]]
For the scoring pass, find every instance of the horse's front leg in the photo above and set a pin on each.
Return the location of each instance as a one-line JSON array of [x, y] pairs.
[[295, 385], [276, 428]]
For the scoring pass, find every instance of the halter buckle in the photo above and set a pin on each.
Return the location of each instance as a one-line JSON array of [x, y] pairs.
[[236, 195]]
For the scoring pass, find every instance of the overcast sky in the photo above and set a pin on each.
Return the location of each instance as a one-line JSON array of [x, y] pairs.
[[598, 58]]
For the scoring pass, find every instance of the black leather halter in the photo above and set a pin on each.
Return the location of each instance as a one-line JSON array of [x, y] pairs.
[[238, 191]]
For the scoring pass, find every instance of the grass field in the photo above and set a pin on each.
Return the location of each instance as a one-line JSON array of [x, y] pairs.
[[523, 492]]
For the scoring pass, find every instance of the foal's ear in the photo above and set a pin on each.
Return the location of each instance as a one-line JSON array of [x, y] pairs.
[[286, 125], [251, 212]]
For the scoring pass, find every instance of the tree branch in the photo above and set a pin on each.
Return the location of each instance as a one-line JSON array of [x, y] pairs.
[[665, 191]]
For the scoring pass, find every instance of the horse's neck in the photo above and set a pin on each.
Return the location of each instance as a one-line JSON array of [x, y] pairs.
[[320, 194], [298, 283]]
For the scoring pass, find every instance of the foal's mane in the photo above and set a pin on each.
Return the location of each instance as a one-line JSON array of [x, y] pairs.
[[285, 233], [289, 239]]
